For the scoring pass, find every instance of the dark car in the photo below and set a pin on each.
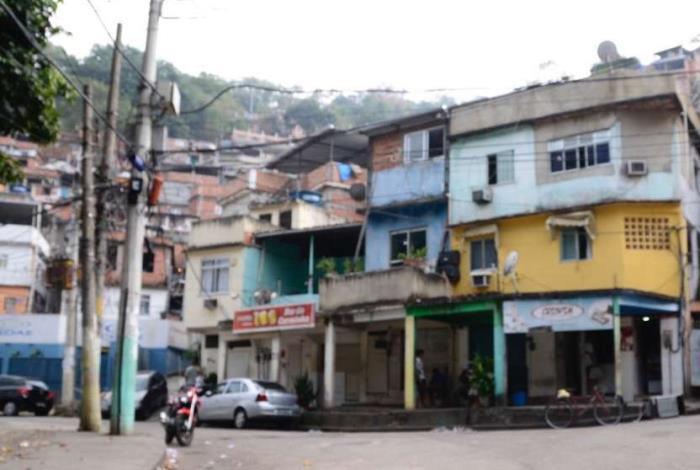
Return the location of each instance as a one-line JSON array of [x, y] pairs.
[[151, 393], [22, 394]]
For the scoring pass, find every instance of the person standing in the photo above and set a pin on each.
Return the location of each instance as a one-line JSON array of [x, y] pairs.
[[421, 381]]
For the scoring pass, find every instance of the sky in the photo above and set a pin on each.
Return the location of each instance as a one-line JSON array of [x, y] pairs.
[[478, 49]]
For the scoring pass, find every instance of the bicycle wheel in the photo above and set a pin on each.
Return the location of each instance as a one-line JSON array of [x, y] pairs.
[[559, 413], [609, 411], [641, 410]]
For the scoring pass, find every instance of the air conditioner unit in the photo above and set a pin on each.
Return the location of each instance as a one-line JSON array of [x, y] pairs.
[[482, 196], [636, 168], [211, 304], [481, 277]]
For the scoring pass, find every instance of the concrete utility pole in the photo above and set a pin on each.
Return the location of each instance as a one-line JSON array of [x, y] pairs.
[[122, 417], [109, 151], [90, 416], [69, 308]]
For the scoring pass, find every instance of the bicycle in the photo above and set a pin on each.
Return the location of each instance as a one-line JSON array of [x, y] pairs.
[[564, 408]]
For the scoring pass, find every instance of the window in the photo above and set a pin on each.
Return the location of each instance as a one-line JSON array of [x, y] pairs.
[[483, 254], [215, 276], [220, 388], [265, 218], [575, 244], [4, 257], [11, 304], [578, 152], [145, 305], [286, 219], [405, 243], [211, 341], [501, 167], [112, 253], [421, 145], [234, 387]]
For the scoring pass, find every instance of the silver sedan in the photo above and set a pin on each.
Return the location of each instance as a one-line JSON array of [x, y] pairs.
[[243, 400]]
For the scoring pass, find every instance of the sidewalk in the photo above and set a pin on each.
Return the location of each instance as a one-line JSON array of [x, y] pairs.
[[54, 444]]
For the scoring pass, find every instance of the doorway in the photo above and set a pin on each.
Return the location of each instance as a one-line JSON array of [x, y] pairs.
[[649, 355]]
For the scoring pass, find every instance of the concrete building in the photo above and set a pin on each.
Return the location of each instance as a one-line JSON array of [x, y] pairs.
[[571, 219], [23, 255]]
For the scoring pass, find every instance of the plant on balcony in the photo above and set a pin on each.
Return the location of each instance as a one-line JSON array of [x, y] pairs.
[[352, 265], [481, 379], [327, 267], [414, 257], [304, 389]]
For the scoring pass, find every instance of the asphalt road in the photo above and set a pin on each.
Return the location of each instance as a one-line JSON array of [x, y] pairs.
[[667, 444]]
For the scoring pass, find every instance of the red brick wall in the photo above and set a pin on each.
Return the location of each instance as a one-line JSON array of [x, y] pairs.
[[21, 294], [386, 151]]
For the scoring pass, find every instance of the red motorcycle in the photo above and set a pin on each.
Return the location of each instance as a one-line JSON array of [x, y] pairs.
[[180, 419]]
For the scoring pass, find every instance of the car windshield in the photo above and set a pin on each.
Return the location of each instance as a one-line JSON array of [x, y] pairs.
[[270, 386], [141, 383]]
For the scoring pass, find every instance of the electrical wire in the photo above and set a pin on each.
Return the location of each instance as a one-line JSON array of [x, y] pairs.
[[53, 63]]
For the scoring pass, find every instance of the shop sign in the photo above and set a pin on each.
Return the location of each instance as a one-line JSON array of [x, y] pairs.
[[576, 314], [272, 318]]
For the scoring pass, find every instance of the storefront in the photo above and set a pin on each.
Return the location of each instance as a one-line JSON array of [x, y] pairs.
[[271, 342], [571, 343]]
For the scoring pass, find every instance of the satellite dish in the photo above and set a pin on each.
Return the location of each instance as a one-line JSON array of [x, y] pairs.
[[607, 52], [510, 264], [358, 192]]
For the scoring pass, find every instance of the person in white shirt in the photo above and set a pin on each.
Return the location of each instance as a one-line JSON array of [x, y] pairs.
[[421, 381]]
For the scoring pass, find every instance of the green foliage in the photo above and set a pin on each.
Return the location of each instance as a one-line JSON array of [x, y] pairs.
[[326, 266], [264, 111], [304, 389], [418, 254], [29, 84], [481, 376], [351, 265], [10, 170]]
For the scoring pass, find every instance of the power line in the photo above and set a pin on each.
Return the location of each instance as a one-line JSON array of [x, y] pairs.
[[144, 80], [53, 63]]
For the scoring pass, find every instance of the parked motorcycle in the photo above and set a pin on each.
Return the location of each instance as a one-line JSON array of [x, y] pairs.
[[180, 419]]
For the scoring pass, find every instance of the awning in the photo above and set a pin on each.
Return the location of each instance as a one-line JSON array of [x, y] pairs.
[[583, 219], [642, 305]]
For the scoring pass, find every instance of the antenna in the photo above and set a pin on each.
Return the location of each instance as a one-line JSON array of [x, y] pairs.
[[607, 52]]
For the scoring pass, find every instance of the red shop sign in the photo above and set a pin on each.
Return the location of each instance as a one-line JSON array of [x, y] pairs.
[[278, 317]]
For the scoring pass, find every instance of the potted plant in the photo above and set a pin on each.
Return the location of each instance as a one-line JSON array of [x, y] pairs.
[[304, 389], [351, 265], [414, 258], [481, 379], [327, 267]]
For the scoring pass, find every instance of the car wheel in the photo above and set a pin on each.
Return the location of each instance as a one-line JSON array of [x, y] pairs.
[[240, 418], [10, 409]]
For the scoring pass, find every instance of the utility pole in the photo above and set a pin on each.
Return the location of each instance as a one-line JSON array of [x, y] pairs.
[[106, 162], [123, 391], [69, 308], [90, 415]]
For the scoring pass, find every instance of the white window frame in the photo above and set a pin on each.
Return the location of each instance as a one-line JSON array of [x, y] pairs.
[[425, 138], [216, 266], [4, 260], [589, 243], [500, 157], [482, 242], [573, 143], [145, 300], [15, 301], [408, 232]]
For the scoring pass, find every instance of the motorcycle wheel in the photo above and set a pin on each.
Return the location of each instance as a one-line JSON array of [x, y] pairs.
[[169, 435], [183, 436]]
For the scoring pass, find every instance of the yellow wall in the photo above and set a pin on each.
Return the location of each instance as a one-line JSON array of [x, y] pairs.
[[198, 317], [612, 265]]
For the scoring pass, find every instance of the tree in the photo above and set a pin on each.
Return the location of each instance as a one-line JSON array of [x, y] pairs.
[[30, 85]]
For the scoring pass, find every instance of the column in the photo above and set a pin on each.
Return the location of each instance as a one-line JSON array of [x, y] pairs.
[[409, 378], [329, 365], [616, 345], [460, 338], [221, 359], [275, 359], [499, 358], [364, 340]]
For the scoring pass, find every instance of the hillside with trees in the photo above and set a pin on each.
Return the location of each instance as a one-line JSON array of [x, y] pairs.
[[243, 108]]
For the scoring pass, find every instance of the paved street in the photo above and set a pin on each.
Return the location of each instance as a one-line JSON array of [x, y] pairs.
[[669, 444], [649, 445]]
